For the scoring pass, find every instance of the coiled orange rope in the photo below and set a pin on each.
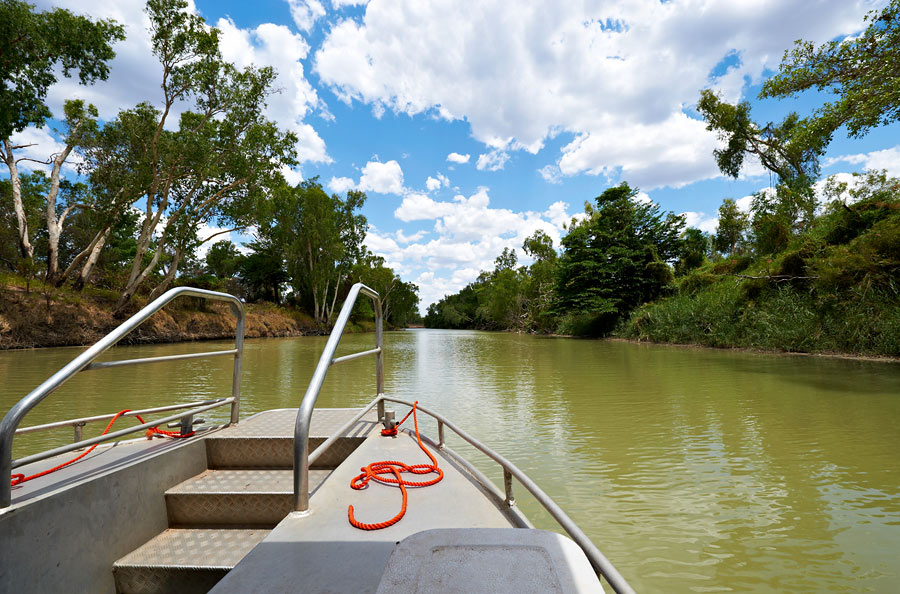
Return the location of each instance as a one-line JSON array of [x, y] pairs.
[[20, 478], [375, 470]]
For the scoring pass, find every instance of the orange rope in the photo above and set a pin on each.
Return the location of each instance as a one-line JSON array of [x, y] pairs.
[[376, 469], [20, 478]]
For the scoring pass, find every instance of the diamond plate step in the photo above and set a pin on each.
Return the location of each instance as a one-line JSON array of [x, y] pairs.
[[187, 561], [266, 440], [235, 497]]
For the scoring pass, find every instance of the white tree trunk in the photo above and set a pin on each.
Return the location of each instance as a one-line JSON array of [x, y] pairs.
[[26, 249]]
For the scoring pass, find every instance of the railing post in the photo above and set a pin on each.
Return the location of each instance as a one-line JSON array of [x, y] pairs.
[[379, 357], [508, 486], [79, 427], [238, 311], [441, 434]]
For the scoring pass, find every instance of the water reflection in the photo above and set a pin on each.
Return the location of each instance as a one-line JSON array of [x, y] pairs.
[[693, 470]]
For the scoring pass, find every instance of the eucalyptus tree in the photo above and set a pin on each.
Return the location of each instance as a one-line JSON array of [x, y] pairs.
[[322, 238], [34, 48], [221, 159]]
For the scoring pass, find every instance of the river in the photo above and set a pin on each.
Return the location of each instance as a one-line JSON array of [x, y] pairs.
[[692, 470]]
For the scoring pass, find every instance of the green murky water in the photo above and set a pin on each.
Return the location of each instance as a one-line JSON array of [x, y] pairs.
[[693, 470]]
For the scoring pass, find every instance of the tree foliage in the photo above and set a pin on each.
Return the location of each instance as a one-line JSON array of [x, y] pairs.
[[32, 46], [861, 73], [616, 257], [732, 224]]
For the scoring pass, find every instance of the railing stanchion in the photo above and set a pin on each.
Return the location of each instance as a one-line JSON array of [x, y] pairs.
[[304, 414], [508, 487], [238, 310], [441, 434]]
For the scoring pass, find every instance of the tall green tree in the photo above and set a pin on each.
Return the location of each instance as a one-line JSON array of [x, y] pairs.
[[616, 257], [223, 259], [321, 238], [861, 73], [692, 252], [34, 47], [732, 224], [220, 163], [540, 281]]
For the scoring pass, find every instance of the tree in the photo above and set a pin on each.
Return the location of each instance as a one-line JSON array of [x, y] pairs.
[[262, 272], [615, 259], [33, 45], [863, 73], [789, 149], [692, 252], [32, 188], [732, 224], [321, 238], [539, 285], [223, 159], [223, 259]]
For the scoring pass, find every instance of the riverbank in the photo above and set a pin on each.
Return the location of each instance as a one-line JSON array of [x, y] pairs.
[[32, 319]]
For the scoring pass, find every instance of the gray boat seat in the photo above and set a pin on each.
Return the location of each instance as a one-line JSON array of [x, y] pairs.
[[495, 560]]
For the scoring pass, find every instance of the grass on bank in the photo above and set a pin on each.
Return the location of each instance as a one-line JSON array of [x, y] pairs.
[[836, 288]]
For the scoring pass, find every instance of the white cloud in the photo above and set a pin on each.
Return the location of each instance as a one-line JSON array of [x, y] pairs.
[[887, 159], [493, 160], [468, 235], [340, 185], [306, 12], [435, 183], [617, 76], [551, 174], [458, 158], [700, 220], [384, 178], [276, 46]]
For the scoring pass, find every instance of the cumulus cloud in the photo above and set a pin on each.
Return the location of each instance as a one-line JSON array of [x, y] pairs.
[[468, 234], [493, 160], [887, 159], [457, 158], [619, 77], [436, 183], [384, 178], [340, 185], [306, 12], [276, 46], [700, 220]]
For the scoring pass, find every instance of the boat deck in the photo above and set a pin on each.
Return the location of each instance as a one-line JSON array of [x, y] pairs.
[[324, 553]]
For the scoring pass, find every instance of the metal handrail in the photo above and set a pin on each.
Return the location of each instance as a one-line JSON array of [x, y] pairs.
[[304, 414], [83, 361], [596, 558]]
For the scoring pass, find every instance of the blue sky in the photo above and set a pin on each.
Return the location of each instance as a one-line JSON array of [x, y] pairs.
[[551, 103]]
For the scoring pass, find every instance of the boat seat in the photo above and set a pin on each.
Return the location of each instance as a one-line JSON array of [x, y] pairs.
[[496, 560]]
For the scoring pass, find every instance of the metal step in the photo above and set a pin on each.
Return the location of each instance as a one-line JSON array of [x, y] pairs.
[[186, 561], [235, 497], [239, 452]]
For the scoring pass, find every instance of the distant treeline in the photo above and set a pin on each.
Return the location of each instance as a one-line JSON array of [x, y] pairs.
[[149, 188], [795, 272]]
